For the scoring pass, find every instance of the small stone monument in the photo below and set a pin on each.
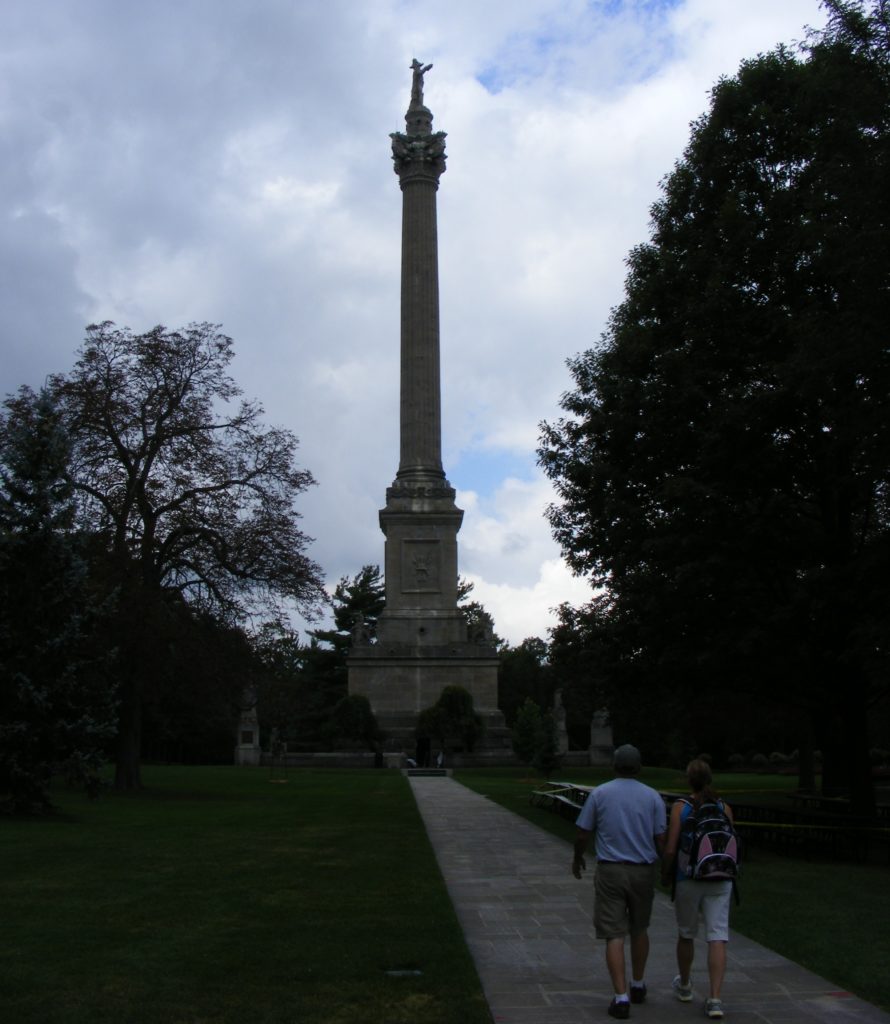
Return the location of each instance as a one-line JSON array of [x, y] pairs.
[[602, 745], [247, 744]]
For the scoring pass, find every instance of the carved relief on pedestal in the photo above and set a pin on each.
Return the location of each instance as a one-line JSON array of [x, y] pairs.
[[419, 492], [421, 566]]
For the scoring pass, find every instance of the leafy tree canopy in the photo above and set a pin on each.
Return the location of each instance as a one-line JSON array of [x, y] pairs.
[[187, 495], [722, 470], [524, 673]]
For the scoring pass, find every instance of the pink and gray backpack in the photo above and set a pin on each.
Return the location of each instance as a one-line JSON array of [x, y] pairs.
[[709, 845]]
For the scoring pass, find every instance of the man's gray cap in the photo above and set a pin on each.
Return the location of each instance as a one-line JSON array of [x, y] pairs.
[[627, 756]]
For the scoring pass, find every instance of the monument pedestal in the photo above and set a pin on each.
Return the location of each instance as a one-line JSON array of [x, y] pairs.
[[401, 680]]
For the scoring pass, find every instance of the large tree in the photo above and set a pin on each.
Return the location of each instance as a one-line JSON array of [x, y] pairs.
[[723, 468], [193, 497]]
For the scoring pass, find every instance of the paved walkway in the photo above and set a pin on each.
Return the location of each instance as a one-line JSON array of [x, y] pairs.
[[527, 924]]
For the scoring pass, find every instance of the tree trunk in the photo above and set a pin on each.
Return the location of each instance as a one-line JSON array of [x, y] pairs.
[[862, 788], [127, 775], [846, 770], [835, 761]]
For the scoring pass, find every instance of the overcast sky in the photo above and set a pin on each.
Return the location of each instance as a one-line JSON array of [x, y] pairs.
[[229, 161]]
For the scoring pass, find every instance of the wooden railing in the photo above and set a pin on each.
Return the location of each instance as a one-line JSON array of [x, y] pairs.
[[804, 831]]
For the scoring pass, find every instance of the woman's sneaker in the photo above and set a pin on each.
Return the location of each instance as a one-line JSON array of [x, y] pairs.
[[682, 992], [714, 1009]]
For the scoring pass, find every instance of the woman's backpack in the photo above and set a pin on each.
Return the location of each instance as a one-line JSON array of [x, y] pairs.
[[709, 846]]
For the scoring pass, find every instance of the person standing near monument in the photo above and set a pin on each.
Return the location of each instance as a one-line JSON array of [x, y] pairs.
[[692, 898], [628, 820]]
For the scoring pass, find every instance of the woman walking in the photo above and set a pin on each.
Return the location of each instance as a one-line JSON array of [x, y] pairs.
[[693, 899]]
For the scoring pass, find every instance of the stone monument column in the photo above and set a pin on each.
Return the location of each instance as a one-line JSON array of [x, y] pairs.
[[419, 160], [422, 642], [420, 520]]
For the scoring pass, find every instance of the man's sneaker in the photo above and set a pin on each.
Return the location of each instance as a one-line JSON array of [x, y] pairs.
[[638, 993], [682, 992], [620, 1010], [714, 1009]]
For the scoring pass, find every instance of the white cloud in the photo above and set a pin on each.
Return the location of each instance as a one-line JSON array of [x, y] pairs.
[[198, 160], [529, 610]]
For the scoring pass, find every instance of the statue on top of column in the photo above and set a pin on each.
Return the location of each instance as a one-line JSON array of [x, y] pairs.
[[417, 83]]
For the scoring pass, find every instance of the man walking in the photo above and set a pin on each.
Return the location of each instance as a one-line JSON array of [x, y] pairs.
[[629, 821]]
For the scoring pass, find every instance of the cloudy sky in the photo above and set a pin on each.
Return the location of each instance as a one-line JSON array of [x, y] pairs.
[[171, 161]]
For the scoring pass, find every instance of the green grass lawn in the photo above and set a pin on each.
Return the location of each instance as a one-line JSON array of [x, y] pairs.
[[221, 895], [832, 918]]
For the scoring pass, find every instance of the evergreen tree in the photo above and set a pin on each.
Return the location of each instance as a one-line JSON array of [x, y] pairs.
[[357, 601], [57, 704]]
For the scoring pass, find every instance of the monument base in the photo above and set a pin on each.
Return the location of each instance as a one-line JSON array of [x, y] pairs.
[[400, 681]]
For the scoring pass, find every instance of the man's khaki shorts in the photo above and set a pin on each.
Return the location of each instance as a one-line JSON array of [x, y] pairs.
[[623, 899]]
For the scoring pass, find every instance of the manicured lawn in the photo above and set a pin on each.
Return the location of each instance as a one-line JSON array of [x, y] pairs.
[[832, 918], [221, 895]]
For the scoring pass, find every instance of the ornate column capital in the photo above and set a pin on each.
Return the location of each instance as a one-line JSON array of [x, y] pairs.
[[418, 153], [418, 156]]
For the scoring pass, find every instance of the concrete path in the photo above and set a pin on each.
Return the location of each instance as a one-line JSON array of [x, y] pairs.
[[527, 924]]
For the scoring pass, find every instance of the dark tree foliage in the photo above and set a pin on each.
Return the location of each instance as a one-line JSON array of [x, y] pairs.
[[303, 684], [579, 665], [296, 689], [357, 602], [356, 606], [547, 757], [722, 470], [192, 702], [452, 720], [523, 674], [526, 731], [191, 495], [355, 722], [57, 706]]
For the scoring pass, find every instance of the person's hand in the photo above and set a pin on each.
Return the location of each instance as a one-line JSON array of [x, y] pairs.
[[579, 864]]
